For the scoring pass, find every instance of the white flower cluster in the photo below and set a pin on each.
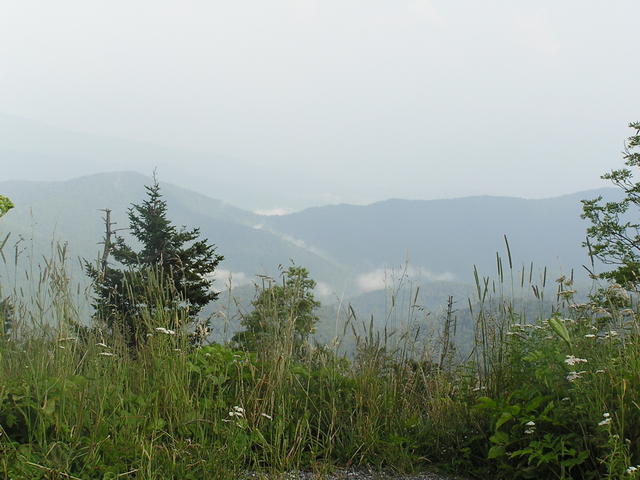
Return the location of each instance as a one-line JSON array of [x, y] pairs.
[[531, 427], [573, 376], [633, 469], [571, 360], [166, 331], [237, 412], [606, 419]]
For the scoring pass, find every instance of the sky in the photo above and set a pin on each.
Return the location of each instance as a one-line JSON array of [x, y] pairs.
[[284, 104]]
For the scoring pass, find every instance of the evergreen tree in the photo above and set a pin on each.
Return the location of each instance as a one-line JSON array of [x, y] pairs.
[[172, 271], [281, 312]]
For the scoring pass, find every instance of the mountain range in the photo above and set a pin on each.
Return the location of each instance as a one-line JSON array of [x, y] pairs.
[[349, 249]]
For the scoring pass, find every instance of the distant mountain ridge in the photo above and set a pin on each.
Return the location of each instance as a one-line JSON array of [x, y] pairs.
[[348, 248], [449, 235]]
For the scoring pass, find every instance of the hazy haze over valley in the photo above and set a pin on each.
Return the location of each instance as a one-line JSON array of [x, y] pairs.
[[278, 106]]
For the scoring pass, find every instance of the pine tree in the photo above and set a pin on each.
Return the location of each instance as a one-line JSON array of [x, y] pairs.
[[172, 271]]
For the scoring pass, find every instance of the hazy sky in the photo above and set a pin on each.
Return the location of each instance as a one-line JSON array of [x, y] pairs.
[[323, 101]]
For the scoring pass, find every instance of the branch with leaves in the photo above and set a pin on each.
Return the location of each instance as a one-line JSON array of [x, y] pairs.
[[5, 205], [614, 236]]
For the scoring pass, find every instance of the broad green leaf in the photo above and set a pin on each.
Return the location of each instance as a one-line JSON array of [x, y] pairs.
[[560, 329], [499, 438], [504, 418], [496, 451]]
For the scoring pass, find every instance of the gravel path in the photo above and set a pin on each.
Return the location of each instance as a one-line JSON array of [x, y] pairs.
[[349, 475]]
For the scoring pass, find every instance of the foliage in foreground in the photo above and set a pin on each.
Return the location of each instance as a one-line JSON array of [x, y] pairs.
[[559, 401]]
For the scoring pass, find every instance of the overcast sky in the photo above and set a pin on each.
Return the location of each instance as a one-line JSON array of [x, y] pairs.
[[337, 100]]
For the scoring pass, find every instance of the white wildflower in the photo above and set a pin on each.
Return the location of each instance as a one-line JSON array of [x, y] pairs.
[[571, 360], [573, 376], [237, 412], [530, 423], [633, 469], [166, 331], [529, 431], [606, 419]]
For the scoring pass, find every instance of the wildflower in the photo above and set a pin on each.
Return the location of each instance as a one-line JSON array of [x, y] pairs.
[[633, 469], [107, 354], [567, 292], [529, 431], [573, 376], [237, 412], [571, 360], [530, 423], [606, 419], [565, 399], [165, 331], [269, 417]]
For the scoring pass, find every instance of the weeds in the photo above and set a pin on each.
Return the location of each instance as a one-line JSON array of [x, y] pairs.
[[542, 394]]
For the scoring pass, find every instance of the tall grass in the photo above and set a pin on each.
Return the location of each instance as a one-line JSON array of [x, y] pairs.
[[76, 402]]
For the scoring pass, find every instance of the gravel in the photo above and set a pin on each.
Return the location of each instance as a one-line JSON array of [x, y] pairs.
[[349, 475]]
